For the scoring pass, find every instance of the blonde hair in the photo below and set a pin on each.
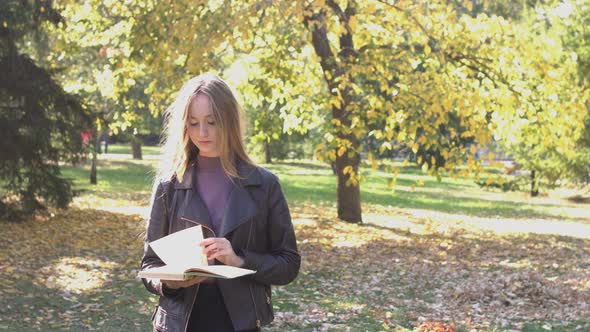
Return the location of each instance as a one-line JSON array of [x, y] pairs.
[[178, 151]]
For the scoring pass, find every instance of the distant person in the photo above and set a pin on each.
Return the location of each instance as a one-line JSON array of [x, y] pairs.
[[86, 137], [207, 178], [107, 136]]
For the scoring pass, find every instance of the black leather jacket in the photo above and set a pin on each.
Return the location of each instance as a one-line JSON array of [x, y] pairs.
[[258, 224]]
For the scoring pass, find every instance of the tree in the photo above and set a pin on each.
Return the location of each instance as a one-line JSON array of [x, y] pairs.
[[276, 103], [576, 18], [543, 134], [40, 123], [399, 72], [98, 67]]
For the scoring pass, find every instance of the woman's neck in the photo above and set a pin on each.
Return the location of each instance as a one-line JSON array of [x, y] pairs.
[[208, 163]]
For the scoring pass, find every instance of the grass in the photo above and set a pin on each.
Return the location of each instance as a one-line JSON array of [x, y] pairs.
[[431, 247], [126, 149], [312, 182], [309, 182], [113, 176]]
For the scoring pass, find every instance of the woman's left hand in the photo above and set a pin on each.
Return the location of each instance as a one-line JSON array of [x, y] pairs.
[[219, 248]]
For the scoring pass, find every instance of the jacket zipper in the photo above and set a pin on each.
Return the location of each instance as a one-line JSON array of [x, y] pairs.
[[194, 297], [188, 316], [250, 286]]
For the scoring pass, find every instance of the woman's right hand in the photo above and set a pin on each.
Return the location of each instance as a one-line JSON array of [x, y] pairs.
[[175, 284]]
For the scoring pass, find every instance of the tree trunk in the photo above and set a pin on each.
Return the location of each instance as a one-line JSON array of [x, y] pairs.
[[534, 185], [349, 197], [334, 68], [136, 148], [94, 158], [267, 153], [99, 145]]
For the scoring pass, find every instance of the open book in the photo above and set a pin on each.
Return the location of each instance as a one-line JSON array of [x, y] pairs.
[[184, 258]]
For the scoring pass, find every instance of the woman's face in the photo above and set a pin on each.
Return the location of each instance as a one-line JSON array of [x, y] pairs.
[[202, 129]]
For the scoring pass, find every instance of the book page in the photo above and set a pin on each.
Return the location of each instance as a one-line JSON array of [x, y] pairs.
[[181, 249], [165, 272], [222, 271], [175, 273]]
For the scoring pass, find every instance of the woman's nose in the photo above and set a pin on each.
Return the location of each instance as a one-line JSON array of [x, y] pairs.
[[203, 130]]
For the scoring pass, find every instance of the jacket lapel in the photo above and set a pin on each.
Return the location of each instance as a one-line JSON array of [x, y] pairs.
[[195, 211], [240, 207]]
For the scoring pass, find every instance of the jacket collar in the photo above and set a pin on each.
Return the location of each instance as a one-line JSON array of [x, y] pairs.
[[249, 176], [240, 207]]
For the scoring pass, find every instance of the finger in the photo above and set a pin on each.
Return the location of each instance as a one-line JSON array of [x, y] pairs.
[[206, 242], [220, 253], [211, 249]]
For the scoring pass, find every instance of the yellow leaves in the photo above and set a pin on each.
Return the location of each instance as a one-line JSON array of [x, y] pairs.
[[448, 104], [335, 101], [378, 134], [347, 170], [401, 136], [466, 134], [331, 155], [491, 157], [319, 4], [374, 164], [427, 50], [422, 140], [341, 151], [385, 146], [353, 23], [424, 167], [370, 8]]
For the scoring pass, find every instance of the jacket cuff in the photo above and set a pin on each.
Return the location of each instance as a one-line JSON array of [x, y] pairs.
[[251, 260], [167, 292], [162, 290]]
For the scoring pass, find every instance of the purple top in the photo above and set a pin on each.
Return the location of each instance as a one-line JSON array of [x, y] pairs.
[[214, 187]]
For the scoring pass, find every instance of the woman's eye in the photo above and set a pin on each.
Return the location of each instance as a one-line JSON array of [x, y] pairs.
[[211, 123], [194, 124]]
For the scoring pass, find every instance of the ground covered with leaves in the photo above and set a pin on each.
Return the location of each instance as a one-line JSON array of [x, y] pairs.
[[76, 269], [446, 258]]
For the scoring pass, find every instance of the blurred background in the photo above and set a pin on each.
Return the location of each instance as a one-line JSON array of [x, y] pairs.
[[436, 153]]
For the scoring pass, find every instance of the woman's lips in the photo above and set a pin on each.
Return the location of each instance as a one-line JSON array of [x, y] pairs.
[[204, 142]]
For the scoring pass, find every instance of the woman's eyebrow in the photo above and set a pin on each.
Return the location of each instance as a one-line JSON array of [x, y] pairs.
[[206, 116]]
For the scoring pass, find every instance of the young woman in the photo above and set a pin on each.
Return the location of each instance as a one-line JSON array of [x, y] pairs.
[[206, 178]]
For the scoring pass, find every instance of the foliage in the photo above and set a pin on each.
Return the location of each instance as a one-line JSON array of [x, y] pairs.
[[543, 132], [431, 76], [93, 51], [578, 40], [440, 78], [39, 121]]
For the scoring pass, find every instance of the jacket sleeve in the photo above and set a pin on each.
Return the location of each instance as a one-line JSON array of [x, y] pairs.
[[157, 227], [281, 265]]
